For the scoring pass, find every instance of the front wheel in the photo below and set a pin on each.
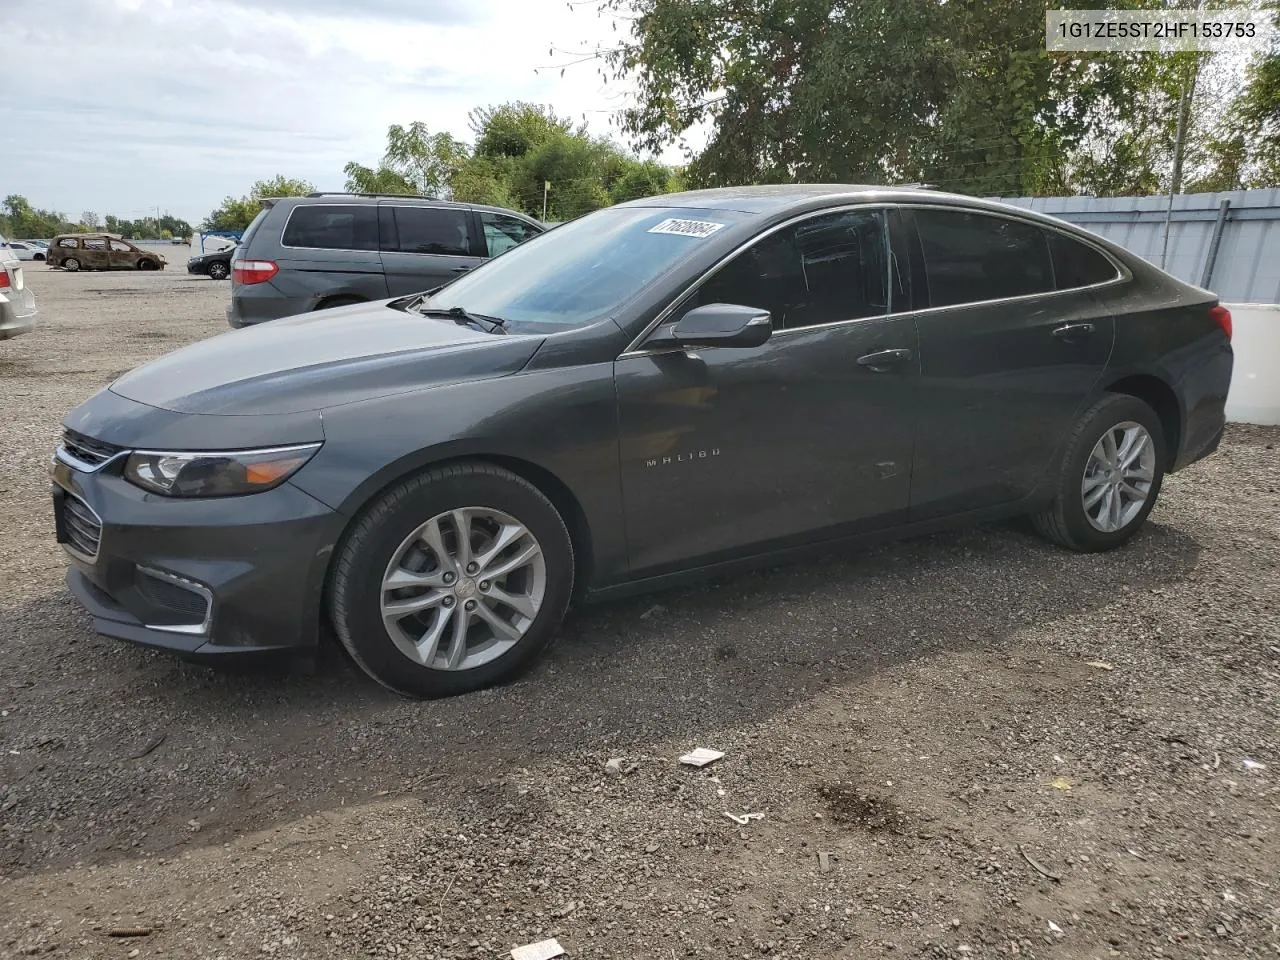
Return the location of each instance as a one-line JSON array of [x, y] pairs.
[[218, 270], [1110, 477], [453, 580], [147, 264]]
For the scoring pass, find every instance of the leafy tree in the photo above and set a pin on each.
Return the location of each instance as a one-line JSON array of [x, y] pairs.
[[416, 162], [90, 220], [237, 213]]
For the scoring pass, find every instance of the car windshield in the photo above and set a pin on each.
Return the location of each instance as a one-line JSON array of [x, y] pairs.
[[583, 271]]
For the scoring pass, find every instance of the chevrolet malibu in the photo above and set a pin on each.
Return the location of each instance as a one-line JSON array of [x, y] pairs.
[[668, 387]]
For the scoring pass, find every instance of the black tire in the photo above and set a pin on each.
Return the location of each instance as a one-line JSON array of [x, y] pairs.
[[1065, 521], [355, 589], [145, 264], [218, 270], [39, 257], [340, 301], [71, 264]]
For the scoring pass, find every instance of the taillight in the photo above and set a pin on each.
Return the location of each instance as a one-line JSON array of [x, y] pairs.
[[4, 279], [1222, 317], [253, 271]]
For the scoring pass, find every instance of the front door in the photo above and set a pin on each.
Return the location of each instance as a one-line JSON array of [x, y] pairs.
[[424, 247], [1007, 362], [731, 451]]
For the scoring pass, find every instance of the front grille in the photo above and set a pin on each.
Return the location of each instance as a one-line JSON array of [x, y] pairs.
[[88, 451], [83, 528], [172, 597]]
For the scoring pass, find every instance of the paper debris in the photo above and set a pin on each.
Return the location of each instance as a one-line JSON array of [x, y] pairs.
[[1054, 928], [542, 950], [1099, 665], [614, 767], [1060, 783], [824, 862], [743, 820], [1252, 765], [701, 757]]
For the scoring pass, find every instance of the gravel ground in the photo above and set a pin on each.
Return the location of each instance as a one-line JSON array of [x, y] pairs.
[[999, 747]]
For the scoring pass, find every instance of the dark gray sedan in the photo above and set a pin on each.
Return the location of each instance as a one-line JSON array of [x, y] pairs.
[[667, 387]]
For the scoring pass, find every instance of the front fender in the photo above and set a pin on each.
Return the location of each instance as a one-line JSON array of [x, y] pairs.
[[562, 421]]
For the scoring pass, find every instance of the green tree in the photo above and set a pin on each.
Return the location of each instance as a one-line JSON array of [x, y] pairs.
[[19, 220], [90, 220], [236, 213], [416, 162]]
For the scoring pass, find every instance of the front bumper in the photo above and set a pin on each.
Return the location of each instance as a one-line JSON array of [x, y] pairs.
[[202, 578]]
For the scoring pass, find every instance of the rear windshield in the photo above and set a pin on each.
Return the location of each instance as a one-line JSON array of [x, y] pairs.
[[583, 271]]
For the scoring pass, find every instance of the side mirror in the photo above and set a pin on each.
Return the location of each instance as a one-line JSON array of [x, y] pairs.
[[723, 325]]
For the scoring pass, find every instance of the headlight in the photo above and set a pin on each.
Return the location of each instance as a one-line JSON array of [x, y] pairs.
[[219, 473]]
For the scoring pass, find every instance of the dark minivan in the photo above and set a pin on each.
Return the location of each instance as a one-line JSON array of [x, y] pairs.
[[333, 249]]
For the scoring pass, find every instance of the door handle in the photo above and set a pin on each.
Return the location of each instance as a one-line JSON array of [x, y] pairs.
[[882, 360], [459, 269], [1069, 330]]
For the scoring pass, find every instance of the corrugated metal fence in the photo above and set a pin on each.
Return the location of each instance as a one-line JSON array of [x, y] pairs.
[[1242, 266]]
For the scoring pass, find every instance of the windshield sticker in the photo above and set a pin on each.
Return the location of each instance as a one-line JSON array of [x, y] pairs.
[[698, 229]]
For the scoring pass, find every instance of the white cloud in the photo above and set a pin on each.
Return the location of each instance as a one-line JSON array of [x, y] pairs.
[[135, 104]]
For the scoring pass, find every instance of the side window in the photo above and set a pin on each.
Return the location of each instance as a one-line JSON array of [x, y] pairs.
[[119, 247], [439, 230], [823, 270], [348, 227], [970, 257], [501, 233], [1077, 264], [70, 242], [95, 244]]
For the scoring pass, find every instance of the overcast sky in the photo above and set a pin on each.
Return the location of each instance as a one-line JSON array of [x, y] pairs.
[[123, 106]]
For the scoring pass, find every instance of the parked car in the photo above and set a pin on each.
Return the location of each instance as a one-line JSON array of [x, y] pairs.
[[328, 250], [671, 386], [215, 265], [100, 251], [25, 250], [17, 303]]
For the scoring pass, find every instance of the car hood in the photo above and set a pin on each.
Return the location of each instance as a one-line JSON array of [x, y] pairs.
[[322, 359]]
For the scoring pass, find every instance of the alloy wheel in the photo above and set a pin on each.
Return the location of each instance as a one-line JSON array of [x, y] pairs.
[[463, 588], [1118, 476]]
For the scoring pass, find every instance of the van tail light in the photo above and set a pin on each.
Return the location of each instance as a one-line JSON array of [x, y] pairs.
[[253, 271], [1222, 317], [5, 282]]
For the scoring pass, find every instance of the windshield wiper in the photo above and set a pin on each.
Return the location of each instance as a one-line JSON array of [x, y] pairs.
[[463, 317]]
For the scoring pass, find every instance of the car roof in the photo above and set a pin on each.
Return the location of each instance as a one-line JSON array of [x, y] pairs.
[[337, 197], [95, 235], [776, 201]]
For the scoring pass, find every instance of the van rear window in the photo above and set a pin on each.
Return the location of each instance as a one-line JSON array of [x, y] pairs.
[[346, 227]]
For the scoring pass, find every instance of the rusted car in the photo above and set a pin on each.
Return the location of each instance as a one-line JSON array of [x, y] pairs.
[[100, 251]]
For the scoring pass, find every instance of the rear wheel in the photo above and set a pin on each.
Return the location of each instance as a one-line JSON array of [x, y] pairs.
[[71, 264], [38, 256], [1110, 477], [451, 581], [218, 270]]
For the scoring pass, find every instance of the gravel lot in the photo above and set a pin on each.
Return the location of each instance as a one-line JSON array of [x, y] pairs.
[[1001, 748]]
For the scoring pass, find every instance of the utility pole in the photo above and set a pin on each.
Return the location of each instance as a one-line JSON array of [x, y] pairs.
[[546, 188], [1185, 99]]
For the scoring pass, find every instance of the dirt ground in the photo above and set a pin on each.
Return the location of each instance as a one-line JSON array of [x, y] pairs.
[[965, 745]]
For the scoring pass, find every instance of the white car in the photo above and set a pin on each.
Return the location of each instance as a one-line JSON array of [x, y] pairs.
[[24, 250], [17, 303]]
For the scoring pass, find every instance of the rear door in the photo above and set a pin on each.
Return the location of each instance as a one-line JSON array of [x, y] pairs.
[[326, 250], [424, 247], [93, 253], [1010, 351]]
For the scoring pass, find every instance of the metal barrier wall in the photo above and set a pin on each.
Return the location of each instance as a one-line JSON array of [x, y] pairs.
[[1226, 242]]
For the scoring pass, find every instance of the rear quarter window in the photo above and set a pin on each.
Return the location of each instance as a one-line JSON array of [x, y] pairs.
[[1078, 264], [346, 227]]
